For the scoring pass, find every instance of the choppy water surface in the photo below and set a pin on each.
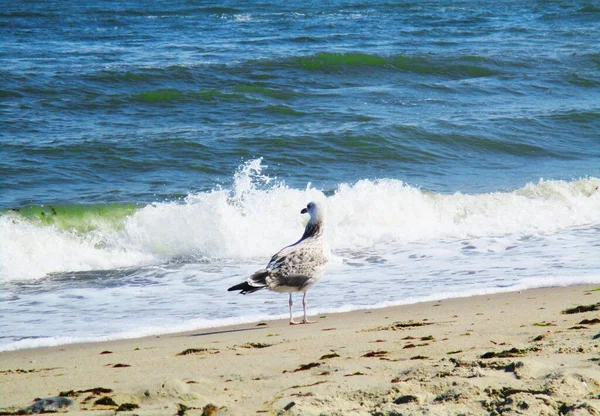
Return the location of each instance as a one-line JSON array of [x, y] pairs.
[[153, 154]]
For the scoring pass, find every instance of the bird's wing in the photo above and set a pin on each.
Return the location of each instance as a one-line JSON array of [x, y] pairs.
[[300, 259]]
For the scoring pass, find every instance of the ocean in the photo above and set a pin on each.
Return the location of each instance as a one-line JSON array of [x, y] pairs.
[[152, 154]]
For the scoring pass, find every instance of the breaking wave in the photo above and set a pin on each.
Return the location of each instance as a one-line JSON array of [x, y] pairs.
[[258, 215]]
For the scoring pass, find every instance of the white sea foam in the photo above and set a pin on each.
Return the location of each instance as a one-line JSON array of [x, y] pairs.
[[259, 215]]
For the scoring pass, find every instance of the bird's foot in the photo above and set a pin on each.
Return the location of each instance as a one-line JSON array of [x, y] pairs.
[[306, 321], [295, 323]]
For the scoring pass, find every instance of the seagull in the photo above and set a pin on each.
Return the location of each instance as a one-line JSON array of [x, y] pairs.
[[295, 268]]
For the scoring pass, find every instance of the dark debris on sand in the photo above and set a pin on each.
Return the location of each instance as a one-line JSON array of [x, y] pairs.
[[191, 351], [582, 309]]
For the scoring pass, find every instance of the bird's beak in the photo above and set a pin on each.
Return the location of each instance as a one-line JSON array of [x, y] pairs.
[[304, 211]]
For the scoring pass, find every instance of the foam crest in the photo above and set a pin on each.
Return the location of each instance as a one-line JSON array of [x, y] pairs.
[[371, 212]]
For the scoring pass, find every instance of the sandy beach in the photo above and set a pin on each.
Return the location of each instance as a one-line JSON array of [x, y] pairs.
[[530, 352]]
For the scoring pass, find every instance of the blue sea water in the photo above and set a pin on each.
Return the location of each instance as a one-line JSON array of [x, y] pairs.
[[154, 153]]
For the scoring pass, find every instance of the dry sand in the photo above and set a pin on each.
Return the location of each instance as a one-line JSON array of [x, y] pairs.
[[512, 353]]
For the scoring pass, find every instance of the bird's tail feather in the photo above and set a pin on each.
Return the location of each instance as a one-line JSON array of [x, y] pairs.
[[244, 288], [259, 282]]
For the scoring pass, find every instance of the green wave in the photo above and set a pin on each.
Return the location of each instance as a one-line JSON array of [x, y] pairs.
[[455, 67], [175, 95], [283, 109], [327, 60], [78, 218], [579, 80], [590, 8], [159, 95], [7, 94]]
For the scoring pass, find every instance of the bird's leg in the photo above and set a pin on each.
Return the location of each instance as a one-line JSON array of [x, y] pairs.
[[305, 320], [292, 322]]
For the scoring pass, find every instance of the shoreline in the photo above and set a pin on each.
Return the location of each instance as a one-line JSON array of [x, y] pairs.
[[422, 357], [212, 325]]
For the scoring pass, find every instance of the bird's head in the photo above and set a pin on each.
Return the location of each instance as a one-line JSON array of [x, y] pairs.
[[315, 210]]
